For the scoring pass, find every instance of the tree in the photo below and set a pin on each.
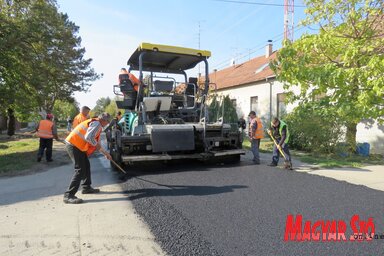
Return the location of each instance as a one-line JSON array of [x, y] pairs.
[[41, 58], [112, 109], [11, 123], [343, 62], [63, 109], [230, 115], [101, 105], [319, 129]]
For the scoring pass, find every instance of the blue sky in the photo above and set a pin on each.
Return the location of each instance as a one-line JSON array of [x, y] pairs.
[[112, 30]]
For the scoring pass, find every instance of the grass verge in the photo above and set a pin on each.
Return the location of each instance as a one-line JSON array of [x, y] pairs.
[[17, 154], [322, 160], [334, 161]]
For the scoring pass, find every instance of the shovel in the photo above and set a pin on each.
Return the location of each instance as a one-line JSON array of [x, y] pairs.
[[287, 163]]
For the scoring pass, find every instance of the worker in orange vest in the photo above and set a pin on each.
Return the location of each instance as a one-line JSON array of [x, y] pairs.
[[46, 130], [255, 133], [81, 117], [80, 144], [125, 75]]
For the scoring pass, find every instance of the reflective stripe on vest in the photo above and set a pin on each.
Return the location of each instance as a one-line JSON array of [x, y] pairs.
[[282, 124], [45, 129], [92, 148], [77, 136], [259, 133]]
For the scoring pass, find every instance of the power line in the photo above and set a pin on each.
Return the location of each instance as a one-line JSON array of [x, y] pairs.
[[255, 49], [256, 3]]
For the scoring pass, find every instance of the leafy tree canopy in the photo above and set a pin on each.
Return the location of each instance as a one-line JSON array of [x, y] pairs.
[[101, 105], [344, 61], [41, 58]]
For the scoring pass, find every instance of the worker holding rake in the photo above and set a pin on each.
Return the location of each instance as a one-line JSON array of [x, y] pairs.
[[280, 135]]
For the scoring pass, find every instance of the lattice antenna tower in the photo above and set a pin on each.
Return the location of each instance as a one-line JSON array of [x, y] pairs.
[[288, 19]]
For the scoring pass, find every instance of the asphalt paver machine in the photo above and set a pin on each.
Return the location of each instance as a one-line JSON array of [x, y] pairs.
[[166, 117]]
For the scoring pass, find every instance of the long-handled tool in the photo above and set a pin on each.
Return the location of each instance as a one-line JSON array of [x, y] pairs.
[[287, 163], [116, 164]]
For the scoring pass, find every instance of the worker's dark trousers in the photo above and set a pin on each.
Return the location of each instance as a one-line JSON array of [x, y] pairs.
[[276, 153], [82, 171], [45, 144]]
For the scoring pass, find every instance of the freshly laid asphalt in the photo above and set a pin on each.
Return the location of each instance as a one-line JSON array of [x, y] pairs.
[[193, 209], [188, 208]]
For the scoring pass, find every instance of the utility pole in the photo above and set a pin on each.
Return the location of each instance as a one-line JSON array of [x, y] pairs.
[[288, 19], [198, 42]]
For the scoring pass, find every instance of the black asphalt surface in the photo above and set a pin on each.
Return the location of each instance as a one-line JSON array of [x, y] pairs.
[[195, 209]]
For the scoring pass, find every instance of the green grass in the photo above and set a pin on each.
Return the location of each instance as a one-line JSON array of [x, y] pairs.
[[17, 154], [332, 160], [321, 160], [266, 145]]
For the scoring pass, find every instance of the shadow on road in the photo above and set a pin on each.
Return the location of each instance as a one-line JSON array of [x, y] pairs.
[[161, 167], [179, 190]]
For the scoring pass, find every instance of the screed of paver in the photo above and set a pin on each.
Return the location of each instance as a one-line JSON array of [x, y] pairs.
[[103, 225]]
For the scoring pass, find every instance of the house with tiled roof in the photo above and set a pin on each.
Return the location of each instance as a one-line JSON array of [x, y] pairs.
[[252, 85]]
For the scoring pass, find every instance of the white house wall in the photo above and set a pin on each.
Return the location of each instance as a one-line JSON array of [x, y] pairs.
[[374, 135], [243, 94]]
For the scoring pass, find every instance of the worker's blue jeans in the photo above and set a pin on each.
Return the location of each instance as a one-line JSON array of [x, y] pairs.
[[255, 145], [276, 153]]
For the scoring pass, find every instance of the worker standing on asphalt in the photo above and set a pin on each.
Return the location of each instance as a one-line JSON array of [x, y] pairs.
[[81, 117], [81, 143], [255, 133], [46, 130], [280, 132]]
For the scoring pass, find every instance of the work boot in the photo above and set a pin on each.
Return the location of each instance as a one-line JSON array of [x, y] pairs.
[[273, 164], [49, 160], [90, 190], [72, 200], [38, 159]]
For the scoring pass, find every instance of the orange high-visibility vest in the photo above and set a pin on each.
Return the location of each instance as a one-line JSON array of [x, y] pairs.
[[78, 119], [45, 129], [77, 137], [135, 81], [259, 133]]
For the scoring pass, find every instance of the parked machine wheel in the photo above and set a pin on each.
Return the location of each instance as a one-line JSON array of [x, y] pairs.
[[116, 156]]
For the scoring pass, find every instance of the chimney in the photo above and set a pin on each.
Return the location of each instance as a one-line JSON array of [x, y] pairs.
[[232, 62], [268, 49]]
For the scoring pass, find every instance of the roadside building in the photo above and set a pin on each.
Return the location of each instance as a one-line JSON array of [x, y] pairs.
[[252, 86]]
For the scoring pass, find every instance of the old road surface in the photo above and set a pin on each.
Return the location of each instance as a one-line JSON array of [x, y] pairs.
[[184, 208], [34, 220]]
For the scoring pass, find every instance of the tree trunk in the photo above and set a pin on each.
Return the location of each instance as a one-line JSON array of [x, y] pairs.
[[351, 136], [11, 123]]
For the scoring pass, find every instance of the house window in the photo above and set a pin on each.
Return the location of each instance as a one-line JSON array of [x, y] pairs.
[[255, 104], [281, 105]]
